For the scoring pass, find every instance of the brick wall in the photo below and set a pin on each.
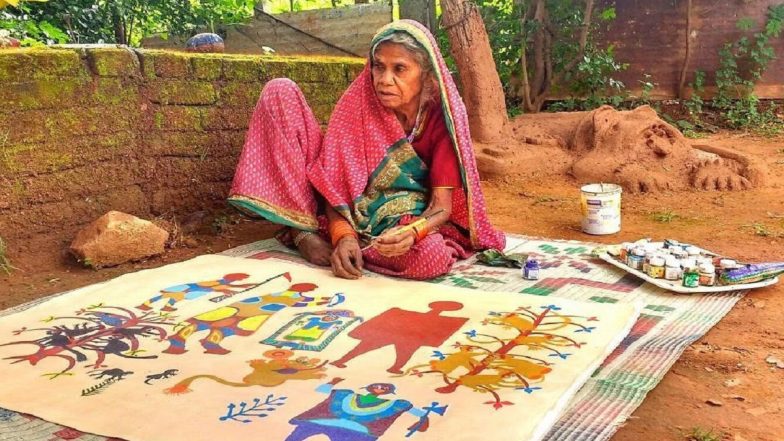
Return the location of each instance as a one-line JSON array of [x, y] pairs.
[[87, 130]]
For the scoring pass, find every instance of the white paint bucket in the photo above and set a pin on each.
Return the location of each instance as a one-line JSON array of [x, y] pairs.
[[601, 207]]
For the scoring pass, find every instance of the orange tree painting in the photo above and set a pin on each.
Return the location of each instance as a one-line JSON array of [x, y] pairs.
[[517, 352]]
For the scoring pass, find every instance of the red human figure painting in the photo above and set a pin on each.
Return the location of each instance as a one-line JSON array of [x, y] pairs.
[[407, 331]]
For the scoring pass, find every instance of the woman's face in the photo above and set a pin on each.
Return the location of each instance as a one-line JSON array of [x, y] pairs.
[[397, 77]]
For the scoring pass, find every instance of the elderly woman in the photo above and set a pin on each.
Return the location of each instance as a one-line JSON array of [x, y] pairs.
[[396, 150]]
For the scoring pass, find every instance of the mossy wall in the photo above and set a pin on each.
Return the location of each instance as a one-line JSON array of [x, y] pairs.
[[87, 130]]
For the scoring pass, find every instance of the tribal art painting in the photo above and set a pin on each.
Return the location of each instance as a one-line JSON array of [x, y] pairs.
[[230, 348]]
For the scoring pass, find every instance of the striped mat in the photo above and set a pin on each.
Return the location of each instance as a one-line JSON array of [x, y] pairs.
[[669, 323]]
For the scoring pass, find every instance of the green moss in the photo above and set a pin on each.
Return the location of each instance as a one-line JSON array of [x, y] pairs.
[[228, 118], [178, 118], [159, 119], [171, 64], [318, 71], [44, 94], [113, 62], [182, 92], [236, 94], [56, 161], [114, 91], [242, 69], [34, 64], [206, 67]]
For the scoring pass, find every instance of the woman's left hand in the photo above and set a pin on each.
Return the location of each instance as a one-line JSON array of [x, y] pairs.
[[391, 244]]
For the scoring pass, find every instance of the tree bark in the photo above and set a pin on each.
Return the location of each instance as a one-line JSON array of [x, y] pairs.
[[482, 90], [687, 56]]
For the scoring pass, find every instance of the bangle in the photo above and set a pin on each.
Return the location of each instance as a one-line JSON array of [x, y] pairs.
[[421, 233], [339, 229], [300, 236]]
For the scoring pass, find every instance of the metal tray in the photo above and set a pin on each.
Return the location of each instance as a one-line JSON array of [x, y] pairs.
[[677, 286]]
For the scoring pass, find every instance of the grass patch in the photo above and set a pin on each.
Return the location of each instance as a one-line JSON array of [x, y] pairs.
[[759, 229], [700, 434], [664, 216], [5, 262]]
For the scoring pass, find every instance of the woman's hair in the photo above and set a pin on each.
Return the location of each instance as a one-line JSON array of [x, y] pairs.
[[414, 48], [407, 41]]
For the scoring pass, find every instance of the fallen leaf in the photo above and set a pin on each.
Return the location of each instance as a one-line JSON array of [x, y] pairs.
[[708, 368], [713, 402], [757, 411], [732, 382]]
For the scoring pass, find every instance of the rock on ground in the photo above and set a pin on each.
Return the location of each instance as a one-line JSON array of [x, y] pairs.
[[116, 238]]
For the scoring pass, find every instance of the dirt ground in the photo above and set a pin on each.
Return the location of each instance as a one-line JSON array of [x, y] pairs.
[[727, 366]]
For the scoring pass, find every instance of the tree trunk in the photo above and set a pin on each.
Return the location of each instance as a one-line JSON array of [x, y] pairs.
[[687, 56], [423, 11], [482, 90]]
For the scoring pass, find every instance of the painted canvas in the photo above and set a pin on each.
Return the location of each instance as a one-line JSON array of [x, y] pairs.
[[229, 348]]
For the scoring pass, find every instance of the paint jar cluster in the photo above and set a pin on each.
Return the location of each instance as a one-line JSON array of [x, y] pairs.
[[675, 261]]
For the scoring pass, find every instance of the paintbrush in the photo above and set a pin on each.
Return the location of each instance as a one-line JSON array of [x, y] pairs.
[[416, 224]]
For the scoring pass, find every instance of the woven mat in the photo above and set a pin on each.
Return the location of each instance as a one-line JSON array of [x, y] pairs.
[[668, 325]]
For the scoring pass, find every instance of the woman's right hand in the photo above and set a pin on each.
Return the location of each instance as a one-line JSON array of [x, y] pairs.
[[347, 258]]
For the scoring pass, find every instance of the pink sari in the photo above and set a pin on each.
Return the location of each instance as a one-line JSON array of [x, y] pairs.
[[363, 168]]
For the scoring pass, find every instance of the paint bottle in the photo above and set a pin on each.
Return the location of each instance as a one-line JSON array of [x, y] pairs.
[[531, 270], [726, 264], [646, 263], [623, 255], [693, 251], [707, 274], [691, 277], [656, 267], [636, 258], [671, 243], [679, 253], [672, 268]]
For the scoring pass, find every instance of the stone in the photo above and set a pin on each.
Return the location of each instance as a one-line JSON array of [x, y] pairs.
[[205, 42], [116, 238]]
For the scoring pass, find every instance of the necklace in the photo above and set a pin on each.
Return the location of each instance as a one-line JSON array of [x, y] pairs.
[[415, 130]]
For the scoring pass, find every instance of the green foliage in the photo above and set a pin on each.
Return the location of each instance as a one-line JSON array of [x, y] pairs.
[[29, 32], [695, 102], [5, 263], [741, 66], [700, 434], [664, 216], [589, 83], [119, 21]]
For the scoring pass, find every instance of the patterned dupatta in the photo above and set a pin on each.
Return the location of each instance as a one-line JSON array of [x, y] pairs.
[[368, 171]]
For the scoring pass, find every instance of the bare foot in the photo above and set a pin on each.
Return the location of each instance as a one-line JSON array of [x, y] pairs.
[[315, 249]]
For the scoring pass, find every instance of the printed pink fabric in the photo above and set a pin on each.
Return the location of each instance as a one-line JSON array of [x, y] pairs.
[[283, 140], [361, 130], [284, 158]]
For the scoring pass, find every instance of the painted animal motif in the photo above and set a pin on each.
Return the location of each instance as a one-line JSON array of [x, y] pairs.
[[242, 318], [521, 367], [115, 374], [165, 374], [191, 291], [279, 368]]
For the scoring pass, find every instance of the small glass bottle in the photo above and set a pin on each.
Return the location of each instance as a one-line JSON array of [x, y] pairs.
[[672, 268], [656, 267], [707, 274], [636, 258], [691, 277], [531, 270]]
